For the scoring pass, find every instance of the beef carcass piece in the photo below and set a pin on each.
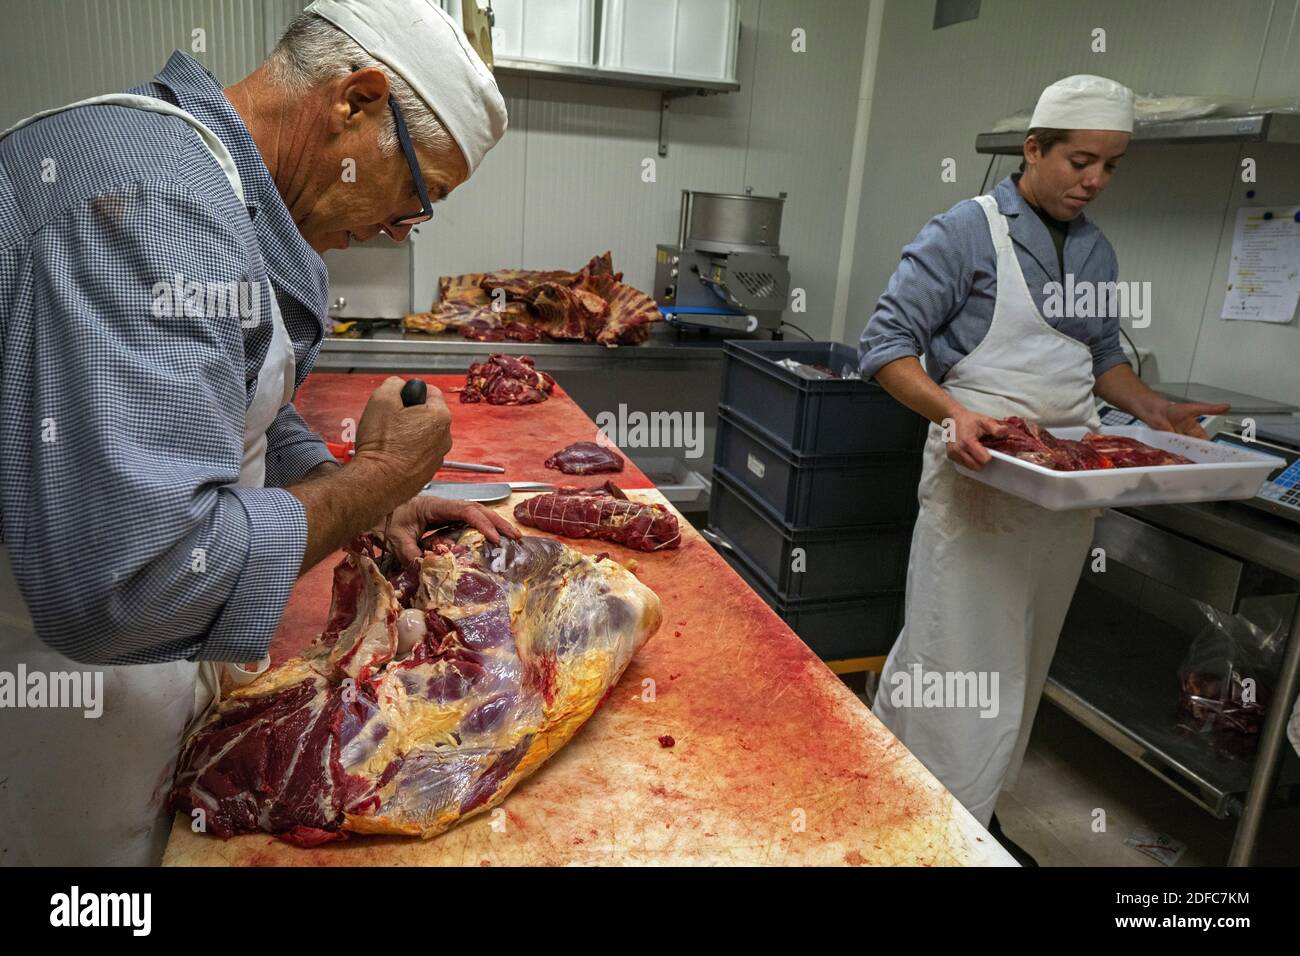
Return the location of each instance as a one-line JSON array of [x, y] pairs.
[[523, 305], [489, 329], [506, 380], [506, 651], [630, 313], [567, 313], [463, 289], [603, 513], [585, 458]]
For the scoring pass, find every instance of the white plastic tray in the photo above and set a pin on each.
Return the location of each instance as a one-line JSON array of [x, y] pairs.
[[1220, 473]]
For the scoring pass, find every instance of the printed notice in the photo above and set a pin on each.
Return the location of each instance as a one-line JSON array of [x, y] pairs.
[[1264, 275]]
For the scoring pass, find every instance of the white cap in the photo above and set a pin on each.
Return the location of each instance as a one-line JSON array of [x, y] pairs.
[[1085, 102], [423, 46]]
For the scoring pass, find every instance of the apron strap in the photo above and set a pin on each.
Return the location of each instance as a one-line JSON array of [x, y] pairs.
[[998, 228], [154, 105]]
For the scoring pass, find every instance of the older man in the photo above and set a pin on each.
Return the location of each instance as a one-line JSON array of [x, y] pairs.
[[163, 297]]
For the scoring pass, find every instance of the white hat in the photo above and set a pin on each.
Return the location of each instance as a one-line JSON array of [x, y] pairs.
[[1085, 102], [423, 46]]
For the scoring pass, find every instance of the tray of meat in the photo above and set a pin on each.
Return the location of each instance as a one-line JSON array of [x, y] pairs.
[[1070, 468]]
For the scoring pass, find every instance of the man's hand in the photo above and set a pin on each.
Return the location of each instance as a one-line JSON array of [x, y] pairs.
[[1182, 417], [967, 427], [405, 444], [397, 449], [410, 520]]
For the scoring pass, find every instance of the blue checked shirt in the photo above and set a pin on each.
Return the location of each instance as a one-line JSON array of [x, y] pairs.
[[123, 429]]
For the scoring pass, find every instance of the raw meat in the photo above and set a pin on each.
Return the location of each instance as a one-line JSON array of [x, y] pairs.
[[590, 305], [1029, 442], [585, 458], [1219, 703], [506, 380], [1123, 452], [604, 513], [504, 653]]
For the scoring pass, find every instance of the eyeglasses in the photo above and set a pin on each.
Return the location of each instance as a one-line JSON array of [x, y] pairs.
[[413, 163], [404, 137]]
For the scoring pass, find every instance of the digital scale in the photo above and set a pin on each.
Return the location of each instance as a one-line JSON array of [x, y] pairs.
[[1274, 435]]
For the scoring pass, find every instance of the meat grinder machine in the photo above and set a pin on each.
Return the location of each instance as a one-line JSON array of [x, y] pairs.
[[726, 271]]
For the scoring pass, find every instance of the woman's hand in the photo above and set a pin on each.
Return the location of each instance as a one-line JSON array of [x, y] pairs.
[[962, 431], [410, 520]]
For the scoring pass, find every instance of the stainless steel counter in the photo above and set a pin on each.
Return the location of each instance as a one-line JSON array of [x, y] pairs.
[[392, 350], [1267, 540]]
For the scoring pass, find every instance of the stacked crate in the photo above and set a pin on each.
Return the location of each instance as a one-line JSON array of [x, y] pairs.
[[814, 493]]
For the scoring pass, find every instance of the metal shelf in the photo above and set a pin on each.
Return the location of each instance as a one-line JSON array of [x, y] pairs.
[[663, 83], [668, 87], [391, 350], [1254, 128], [1116, 672]]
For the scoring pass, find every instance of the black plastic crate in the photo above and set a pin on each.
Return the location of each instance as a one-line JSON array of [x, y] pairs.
[[836, 562], [815, 416], [817, 491], [833, 630]]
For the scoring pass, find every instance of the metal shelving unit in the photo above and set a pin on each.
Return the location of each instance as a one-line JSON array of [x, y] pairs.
[[1116, 666], [671, 85], [1132, 701], [668, 87], [1253, 128]]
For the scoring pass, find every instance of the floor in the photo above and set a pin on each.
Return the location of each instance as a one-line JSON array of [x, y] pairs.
[[1069, 773]]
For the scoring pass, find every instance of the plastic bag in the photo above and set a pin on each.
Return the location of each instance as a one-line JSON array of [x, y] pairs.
[[1227, 678]]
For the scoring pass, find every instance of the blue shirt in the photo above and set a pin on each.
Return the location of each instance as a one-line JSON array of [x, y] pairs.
[[124, 428], [939, 301]]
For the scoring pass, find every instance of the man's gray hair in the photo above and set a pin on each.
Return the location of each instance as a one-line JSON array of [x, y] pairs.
[[314, 51]]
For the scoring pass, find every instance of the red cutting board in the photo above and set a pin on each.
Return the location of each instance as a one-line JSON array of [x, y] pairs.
[[774, 760], [517, 437]]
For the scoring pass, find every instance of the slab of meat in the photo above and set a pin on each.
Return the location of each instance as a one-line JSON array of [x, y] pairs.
[[590, 305], [1029, 442], [1123, 452], [604, 513], [480, 664], [506, 380], [585, 458]]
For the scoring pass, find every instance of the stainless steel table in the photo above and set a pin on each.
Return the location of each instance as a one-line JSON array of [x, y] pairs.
[[1218, 553]]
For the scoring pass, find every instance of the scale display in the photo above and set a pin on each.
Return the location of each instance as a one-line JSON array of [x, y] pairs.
[[1280, 494]]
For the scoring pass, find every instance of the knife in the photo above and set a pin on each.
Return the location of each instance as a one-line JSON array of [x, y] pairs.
[[481, 491]]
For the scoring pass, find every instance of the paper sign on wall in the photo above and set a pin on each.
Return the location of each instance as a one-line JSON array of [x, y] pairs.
[[1264, 275]]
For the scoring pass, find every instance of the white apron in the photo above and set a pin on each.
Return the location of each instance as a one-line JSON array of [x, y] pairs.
[[990, 576], [90, 791]]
